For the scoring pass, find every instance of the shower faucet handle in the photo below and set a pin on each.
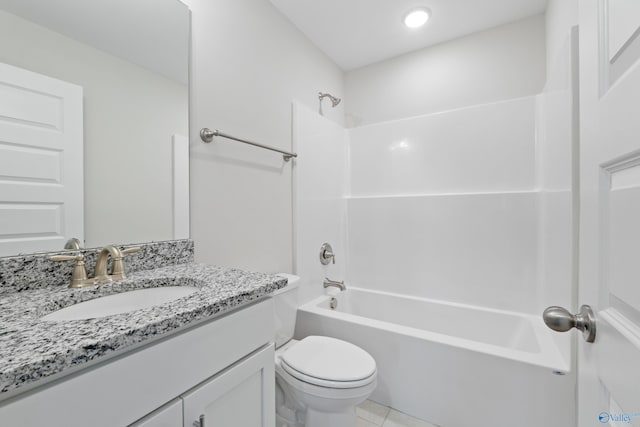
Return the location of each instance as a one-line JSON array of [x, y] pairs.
[[326, 254]]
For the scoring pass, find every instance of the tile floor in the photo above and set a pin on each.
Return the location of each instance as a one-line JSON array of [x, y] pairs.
[[372, 414]]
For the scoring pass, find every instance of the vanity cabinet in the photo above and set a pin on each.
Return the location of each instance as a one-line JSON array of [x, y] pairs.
[[222, 368], [170, 415], [240, 396]]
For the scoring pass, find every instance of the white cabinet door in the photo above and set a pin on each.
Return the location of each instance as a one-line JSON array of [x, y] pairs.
[[41, 162], [241, 396], [169, 415]]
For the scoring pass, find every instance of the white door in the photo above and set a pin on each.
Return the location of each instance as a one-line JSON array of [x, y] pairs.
[[609, 369], [41, 162], [241, 396]]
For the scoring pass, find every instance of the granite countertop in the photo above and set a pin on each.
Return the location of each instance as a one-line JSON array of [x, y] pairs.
[[32, 349]]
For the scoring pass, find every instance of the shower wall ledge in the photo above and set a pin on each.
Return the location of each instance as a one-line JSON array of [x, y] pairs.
[[457, 194], [443, 194], [450, 111]]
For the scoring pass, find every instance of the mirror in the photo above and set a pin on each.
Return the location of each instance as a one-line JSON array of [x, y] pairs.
[[131, 59]]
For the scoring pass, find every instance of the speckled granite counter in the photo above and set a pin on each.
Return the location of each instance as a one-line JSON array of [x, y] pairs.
[[32, 349], [35, 271]]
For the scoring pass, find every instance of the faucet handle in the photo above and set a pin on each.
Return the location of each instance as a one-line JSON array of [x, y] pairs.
[[79, 274], [326, 254], [130, 250], [59, 258]]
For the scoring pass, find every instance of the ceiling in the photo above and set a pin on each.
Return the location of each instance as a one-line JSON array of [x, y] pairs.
[[355, 33], [151, 33]]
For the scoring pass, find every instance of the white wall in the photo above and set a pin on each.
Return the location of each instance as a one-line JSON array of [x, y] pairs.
[[130, 115], [558, 173], [554, 182], [320, 207], [248, 64], [560, 17], [501, 63], [557, 151]]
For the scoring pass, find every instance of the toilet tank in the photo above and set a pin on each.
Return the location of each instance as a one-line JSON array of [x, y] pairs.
[[286, 306]]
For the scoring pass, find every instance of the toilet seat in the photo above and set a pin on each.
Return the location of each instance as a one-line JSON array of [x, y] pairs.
[[323, 392], [329, 362], [326, 383]]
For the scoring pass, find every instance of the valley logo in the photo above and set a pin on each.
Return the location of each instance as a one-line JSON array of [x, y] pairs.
[[622, 417]]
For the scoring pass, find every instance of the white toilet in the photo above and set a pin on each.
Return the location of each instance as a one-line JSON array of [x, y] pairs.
[[319, 380]]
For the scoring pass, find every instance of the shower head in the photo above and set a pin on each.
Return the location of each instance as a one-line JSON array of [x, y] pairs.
[[334, 101]]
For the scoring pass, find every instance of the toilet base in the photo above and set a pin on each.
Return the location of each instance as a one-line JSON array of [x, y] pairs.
[[284, 422], [333, 419]]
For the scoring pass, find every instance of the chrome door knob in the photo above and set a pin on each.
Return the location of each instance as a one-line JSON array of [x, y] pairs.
[[561, 320]]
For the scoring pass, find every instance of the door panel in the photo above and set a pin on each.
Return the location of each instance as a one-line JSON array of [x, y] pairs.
[[609, 372], [620, 195], [623, 22], [619, 27], [41, 162]]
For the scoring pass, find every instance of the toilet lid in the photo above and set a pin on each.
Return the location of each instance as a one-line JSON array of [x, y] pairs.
[[329, 359]]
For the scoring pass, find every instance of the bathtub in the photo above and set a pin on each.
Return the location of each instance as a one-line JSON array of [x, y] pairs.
[[454, 365]]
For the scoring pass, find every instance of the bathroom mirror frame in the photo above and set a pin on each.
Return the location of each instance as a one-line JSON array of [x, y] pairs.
[[135, 160]]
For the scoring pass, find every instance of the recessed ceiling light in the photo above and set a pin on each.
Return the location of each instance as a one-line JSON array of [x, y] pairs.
[[417, 18]]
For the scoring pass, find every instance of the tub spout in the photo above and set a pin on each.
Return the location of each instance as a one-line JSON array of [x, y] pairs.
[[328, 282]]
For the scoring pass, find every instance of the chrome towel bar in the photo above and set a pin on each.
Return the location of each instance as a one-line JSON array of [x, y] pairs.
[[207, 135]]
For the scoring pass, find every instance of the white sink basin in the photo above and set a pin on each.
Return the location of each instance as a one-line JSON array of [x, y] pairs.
[[121, 303]]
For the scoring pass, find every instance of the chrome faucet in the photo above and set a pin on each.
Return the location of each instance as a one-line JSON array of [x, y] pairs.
[[117, 268], [328, 282]]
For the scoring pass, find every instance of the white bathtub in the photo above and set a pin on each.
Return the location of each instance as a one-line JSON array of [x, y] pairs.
[[451, 364]]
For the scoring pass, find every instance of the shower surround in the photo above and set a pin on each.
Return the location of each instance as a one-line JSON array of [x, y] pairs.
[[451, 197], [471, 206]]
